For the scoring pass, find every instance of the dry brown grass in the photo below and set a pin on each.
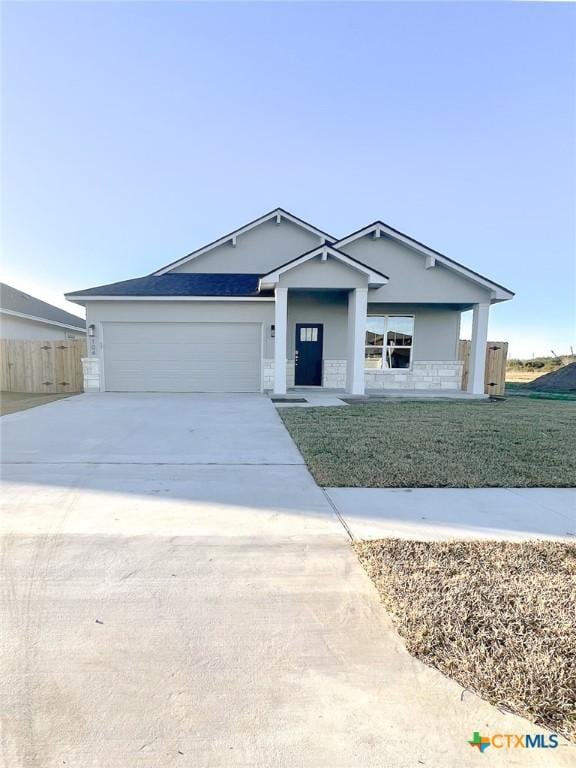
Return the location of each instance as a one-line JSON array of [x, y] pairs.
[[12, 402], [512, 375], [497, 617]]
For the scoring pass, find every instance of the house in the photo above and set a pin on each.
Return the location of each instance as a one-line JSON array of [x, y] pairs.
[[280, 303], [24, 317]]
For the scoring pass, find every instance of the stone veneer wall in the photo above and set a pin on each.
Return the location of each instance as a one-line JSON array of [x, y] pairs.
[[91, 371], [334, 373], [429, 374], [268, 378]]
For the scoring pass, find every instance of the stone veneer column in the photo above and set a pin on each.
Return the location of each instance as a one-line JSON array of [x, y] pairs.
[[91, 371]]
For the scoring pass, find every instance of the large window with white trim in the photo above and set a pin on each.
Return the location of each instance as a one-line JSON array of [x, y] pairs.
[[389, 342]]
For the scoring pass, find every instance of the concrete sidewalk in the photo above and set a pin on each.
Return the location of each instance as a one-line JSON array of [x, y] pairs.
[[177, 591], [437, 514]]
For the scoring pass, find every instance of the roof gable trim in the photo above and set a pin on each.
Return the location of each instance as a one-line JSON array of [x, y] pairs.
[[375, 278], [433, 257], [277, 214]]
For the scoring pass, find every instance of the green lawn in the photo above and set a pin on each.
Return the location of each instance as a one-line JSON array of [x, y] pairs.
[[518, 442], [520, 389]]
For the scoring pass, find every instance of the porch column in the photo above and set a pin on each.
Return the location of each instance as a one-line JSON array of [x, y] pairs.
[[280, 330], [480, 313], [357, 310]]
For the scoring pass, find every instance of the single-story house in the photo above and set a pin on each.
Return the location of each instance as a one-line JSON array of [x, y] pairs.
[[280, 303], [24, 317]]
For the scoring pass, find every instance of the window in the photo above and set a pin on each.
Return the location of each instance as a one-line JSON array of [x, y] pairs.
[[308, 334], [389, 342]]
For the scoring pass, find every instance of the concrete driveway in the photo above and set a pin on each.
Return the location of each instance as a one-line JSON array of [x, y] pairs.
[[176, 591]]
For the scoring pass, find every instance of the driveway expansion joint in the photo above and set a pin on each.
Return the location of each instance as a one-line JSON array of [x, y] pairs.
[[341, 520]]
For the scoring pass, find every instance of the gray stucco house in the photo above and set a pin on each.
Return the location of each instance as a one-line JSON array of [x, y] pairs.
[[279, 303]]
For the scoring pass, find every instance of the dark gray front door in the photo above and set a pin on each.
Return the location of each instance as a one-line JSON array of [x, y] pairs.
[[308, 354]]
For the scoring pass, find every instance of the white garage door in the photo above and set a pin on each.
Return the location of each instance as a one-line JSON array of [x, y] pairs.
[[182, 357]]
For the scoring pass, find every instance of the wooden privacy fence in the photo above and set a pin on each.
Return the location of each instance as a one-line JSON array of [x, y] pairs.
[[52, 367], [495, 373]]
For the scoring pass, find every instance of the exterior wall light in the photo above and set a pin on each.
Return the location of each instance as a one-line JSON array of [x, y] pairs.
[[91, 331], [272, 331]]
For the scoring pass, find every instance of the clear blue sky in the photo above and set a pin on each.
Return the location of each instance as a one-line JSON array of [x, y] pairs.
[[136, 132]]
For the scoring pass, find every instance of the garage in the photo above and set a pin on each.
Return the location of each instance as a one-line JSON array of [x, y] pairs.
[[182, 357]]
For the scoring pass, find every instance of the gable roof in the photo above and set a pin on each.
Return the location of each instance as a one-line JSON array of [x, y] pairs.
[[182, 284], [19, 304], [208, 285], [379, 227], [277, 213], [374, 276]]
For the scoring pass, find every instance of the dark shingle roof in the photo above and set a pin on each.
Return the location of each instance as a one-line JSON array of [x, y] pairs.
[[13, 300], [181, 284]]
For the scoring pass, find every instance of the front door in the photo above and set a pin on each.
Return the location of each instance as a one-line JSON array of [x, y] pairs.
[[308, 355]]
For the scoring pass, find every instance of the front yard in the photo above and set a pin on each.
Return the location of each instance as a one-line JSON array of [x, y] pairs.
[[498, 617], [518, 442]]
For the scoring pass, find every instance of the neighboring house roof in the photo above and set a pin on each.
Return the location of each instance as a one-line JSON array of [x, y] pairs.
[[277, 213], [379, 227], [374, 276], [19, 304], [179, 284]]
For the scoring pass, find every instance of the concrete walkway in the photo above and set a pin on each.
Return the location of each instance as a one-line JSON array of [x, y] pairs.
[[177, 591], [437, 514], [329, 398]]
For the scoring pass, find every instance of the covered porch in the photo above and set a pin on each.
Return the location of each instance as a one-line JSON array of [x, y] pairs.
[[321, 341], [333, 330], [317, 338]]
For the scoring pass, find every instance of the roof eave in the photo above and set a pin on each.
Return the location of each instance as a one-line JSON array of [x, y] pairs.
[[43, 320], [141, 297]]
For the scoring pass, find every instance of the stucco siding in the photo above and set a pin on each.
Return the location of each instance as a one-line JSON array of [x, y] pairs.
[[330, 309], [435, 332], [330, 273], [410, 281], [436, 329], [185, 312], [12, 327], [257, 251]]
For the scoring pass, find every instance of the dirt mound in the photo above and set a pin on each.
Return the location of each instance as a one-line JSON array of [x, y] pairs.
[[562, 380]]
